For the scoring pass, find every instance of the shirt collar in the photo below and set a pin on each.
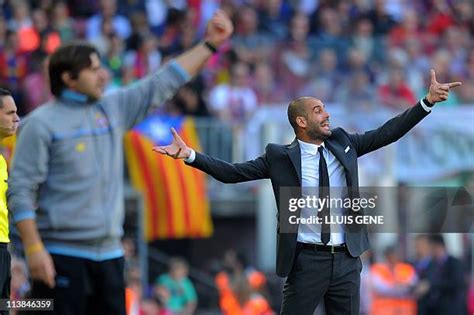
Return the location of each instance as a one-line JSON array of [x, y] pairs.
[[74, 96], [310, 148]]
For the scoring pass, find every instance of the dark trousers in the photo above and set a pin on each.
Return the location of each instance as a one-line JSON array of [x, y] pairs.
[[85, 287], [317, 276], [5, 274]]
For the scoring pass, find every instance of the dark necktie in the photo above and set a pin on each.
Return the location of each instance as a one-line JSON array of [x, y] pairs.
[[323, 193]]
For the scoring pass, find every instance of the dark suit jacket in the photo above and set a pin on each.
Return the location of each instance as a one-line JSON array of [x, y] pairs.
[[447, 293], [282, 165]]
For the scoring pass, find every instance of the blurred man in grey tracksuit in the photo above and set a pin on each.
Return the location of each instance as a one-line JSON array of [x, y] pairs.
[[66, 191]]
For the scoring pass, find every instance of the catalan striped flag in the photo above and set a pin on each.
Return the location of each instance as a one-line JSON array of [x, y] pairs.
[[175, 195]]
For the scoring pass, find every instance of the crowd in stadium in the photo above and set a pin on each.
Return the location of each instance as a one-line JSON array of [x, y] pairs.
[[361, 53]]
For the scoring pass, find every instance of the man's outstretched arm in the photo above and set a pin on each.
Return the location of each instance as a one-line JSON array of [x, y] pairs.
[[132, 103], [398, 126], [218, 30], [220, 170]]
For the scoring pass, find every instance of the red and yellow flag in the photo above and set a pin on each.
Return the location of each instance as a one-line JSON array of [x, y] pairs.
[[175, 195]]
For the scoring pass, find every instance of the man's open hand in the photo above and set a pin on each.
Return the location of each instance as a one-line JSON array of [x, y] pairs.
[[439, 92], [41, 268], [177, 149]]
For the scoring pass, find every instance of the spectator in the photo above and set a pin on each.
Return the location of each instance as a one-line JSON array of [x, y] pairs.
[[440, 18], [3, 32], [108, 9], [186, 39], [43, 37], [392, 282], [250, 45], [21, 16], [140, 28], [466, 94], [146, 59], [102, 40], [62, 22], [273, 18], [464, 13], [357, 93], [381, 19], [241, 288], [182, 296], [35, 85], [113, 59], [133, 290], [171, 33], [357, 61], [422, 265], [410, 28], [295, 57], [236, 100], [418, 64], [189, 101], [268, 89], [364, 41], [396, 94], [13, 69], [331, 34], [325, 79], [456, 43], [446, 292]]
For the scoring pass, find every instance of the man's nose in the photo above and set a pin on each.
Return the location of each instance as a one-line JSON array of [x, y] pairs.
[[17, 118]]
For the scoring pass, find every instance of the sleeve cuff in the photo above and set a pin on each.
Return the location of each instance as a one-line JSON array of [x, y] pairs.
[[191, 157], [183, 74], [24, 215], [425, 107]]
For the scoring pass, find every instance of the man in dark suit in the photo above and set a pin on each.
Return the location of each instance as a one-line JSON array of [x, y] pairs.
[[445, 285], [318, 263]]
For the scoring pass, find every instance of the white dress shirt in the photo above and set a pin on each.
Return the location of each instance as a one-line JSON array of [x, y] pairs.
[[311, 233]]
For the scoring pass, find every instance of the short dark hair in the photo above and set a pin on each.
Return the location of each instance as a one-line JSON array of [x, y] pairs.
[[3, 93], [296, 109], [72, 57], [437, 239]]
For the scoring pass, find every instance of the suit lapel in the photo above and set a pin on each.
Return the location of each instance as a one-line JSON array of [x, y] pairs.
[[338, 152], [294, 153]]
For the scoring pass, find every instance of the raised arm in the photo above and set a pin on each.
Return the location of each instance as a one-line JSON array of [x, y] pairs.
[[135, 101], [398, 126], [218, 30]]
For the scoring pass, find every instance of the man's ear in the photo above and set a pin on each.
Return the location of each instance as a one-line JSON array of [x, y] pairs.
[[68, 81], [301, 121]]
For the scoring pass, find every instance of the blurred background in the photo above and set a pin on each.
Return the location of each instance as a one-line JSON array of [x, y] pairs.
[[198, 246]]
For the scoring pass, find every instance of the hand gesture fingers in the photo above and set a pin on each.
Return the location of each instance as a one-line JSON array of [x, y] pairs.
[[177, 138], [454, 84], [433, 77], [439, 92], [177, 149]]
